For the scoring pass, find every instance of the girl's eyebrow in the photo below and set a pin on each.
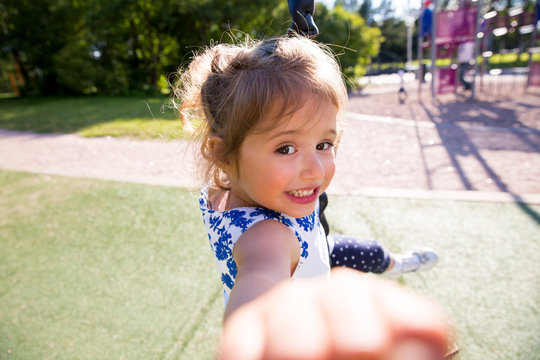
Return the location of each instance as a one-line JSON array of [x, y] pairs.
[[291, 132]]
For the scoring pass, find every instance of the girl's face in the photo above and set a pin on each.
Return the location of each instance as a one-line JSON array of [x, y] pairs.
[[286, 168]]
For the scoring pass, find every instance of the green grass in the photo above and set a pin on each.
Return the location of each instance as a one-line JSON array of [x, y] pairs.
[[136, 117], [99, 269], [513, 58], [487, 277], [495, 61], [103, 270]]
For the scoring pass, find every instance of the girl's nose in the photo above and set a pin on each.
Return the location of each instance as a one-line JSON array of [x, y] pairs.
[[312, 166]]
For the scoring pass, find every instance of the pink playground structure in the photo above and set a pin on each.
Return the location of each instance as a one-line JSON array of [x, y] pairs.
[[463, 52]]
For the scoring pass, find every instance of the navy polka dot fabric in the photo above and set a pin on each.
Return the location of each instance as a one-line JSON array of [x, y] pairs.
[[363, 255], [359, 254]]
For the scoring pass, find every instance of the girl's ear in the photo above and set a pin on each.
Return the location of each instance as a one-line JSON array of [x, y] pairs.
[[216, 149], [213, 142]]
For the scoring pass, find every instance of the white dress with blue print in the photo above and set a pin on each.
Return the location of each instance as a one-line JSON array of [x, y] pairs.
[[225, 228]]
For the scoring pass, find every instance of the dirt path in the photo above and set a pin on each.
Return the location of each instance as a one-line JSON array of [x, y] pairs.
[[488, 149], [122, 159]]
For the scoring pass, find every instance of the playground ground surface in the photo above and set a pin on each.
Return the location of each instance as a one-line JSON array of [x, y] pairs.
[[450, 147], [107, 269], [100, 269]]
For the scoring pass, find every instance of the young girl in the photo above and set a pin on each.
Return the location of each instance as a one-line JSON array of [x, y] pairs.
[[271, 120]]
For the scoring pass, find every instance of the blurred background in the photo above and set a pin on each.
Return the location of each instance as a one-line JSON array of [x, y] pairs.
[[112, 47], [99, 262]]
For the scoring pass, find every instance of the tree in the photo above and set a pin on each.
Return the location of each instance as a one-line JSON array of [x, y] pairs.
[[130, 46], [350, 37], [366, 11], [349, 5], [394, 46], [32, 32], [385, 10]]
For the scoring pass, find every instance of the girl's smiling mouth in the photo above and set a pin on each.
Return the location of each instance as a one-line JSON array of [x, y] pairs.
[[304, 196]]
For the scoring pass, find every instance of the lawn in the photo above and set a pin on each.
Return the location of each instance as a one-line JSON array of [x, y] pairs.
[[487, 277], [135, 117], [103, 270], [98, 269]]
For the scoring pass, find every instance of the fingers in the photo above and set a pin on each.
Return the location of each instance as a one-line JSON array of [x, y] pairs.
[[402, 316], [244, 335], [352, 316], [413, 316], [405, 315], [285, 323], [355, 327], [297, 328], [413, 349]]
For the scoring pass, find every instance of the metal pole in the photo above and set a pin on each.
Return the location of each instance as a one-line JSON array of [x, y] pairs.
[[476, 47], [531, 46], [420, 70], [409, 44], [409, 21], [433, 48]]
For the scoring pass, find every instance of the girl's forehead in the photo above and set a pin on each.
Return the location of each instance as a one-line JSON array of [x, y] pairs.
[[289, 116]]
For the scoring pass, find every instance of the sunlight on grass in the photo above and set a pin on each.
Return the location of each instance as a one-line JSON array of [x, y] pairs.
[[104, 270], [136, 117], [141, 129], [8, 95], [101, 269], [486, 278]]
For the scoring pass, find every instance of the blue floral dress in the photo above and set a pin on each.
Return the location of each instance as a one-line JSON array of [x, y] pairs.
[[225, 228]]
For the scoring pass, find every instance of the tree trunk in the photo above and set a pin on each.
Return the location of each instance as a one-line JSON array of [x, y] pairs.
[[21, 71], [156, 51]]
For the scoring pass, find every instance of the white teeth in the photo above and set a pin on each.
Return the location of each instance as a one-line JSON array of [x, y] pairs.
[[301, 193]]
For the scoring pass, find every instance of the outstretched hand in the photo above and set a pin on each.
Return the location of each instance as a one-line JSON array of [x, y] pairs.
[[350, 316]]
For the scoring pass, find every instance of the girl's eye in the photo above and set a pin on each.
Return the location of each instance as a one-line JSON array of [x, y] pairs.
[[286, 150], [325, 146]]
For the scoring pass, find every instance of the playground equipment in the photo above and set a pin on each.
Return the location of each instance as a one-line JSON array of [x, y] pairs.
[[463, 40]]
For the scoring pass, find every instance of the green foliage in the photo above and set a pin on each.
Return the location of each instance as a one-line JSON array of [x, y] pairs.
[[365, 11], [32, 33], [350, 5], [345, 32], [76, 71], [511, 60], [349, 36], [394, 46], [125, 47]]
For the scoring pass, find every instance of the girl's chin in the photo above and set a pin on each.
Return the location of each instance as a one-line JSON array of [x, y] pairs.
[[304, 211]]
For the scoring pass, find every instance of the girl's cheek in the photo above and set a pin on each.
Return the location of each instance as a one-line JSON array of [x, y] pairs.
[[330, 169]]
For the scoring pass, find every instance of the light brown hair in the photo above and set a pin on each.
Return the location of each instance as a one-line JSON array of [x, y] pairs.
[[228, 89]]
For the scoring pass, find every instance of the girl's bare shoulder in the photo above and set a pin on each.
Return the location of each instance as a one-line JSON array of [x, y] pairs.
[[267, 241]]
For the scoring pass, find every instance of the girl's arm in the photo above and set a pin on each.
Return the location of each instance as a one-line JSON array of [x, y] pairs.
[[265, 254]]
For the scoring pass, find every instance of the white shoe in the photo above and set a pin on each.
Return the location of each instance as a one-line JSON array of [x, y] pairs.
[[418, 260]]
